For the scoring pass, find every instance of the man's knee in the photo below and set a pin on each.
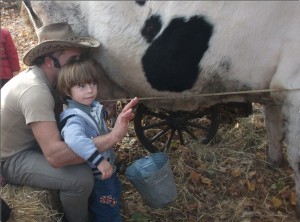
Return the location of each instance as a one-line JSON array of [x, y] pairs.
[[81, 179]]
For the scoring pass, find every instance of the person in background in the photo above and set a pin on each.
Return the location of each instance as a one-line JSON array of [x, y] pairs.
[[84, 119], [10, 65]]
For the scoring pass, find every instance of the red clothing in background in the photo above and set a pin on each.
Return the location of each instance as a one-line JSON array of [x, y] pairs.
[[9, 55]]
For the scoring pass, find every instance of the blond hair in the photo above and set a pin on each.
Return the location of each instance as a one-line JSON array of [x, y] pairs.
[[75, 73]]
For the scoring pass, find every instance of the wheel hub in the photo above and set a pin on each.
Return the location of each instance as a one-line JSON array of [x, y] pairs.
[[177, 121]]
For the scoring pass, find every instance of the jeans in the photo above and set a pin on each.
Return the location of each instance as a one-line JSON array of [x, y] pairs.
[[105, 200], [74, 183]]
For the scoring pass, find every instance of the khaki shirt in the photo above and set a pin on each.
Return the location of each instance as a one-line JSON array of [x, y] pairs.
[[25, 99]]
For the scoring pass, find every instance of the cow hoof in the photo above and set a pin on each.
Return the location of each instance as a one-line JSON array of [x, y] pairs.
[[276, 164], [279, 162]]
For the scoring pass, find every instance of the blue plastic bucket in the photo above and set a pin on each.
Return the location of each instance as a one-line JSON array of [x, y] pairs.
[[153, 178]]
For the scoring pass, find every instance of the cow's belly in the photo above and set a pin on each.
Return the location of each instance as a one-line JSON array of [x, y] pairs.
[[219, 74], [240, 53]]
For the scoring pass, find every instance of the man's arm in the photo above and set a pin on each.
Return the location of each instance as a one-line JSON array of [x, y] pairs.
[[57, 153]]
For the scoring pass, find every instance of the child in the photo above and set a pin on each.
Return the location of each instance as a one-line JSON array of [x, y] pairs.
[[82, 120], [9, 57]]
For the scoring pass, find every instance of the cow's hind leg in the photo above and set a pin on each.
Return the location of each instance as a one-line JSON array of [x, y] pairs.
[[291, 111], [287, 77], [274, 127]]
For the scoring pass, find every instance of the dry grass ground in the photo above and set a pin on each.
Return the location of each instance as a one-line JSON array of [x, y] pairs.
[[226, 180]]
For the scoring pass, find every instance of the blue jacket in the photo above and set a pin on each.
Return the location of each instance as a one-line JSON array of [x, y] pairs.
[[81, 128]]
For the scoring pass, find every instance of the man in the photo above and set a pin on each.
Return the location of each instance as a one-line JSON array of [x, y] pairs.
[[32, 151]]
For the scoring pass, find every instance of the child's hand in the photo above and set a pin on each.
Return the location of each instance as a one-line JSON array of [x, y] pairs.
[[106, 169], [122, 122]]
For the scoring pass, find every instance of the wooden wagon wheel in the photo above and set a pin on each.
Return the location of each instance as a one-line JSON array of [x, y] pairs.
[[158, 129]]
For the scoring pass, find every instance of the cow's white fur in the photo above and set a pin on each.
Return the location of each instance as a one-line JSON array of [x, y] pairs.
[[260, 39]]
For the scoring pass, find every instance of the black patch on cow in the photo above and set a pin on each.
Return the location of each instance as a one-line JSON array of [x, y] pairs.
[[172, 61], [140, 2], [151, 28]]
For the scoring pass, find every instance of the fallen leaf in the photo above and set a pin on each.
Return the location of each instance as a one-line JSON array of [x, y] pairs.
[[206, 181], [174, 145], [222, 169], [234, 191], [184, 150], [260, 155], [293, 198], [276, 202], [251, 174], [191, 219], [192, 206], [236, 173], [251, 186], [195, 177], [260, 179]]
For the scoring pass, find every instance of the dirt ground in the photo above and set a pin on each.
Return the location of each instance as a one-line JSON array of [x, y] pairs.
[[227, 180]]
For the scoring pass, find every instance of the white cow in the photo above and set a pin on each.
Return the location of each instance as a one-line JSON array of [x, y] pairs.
[[179, 48]]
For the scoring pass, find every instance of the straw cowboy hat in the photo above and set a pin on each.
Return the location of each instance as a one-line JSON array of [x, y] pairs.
[[55, 37]]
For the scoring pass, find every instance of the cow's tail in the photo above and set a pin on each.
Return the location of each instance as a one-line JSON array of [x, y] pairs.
[[34, 19]]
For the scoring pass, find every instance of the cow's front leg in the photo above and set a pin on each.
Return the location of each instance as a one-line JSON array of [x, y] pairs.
[[274, 127]]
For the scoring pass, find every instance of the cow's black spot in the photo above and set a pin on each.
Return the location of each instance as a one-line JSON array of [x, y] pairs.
[[171, 61], [151, 27], [140, 2]]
